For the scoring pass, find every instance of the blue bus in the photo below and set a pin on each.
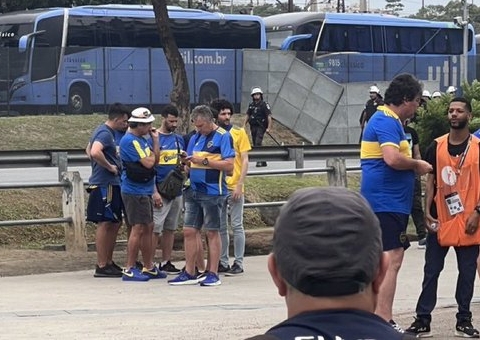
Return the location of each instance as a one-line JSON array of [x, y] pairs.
[[80, 59], [364, 47]]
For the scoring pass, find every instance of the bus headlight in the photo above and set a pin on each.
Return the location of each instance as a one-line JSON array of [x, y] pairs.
[[16, 86]]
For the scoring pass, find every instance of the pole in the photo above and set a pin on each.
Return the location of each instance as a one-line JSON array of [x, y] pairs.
[[464, 63]]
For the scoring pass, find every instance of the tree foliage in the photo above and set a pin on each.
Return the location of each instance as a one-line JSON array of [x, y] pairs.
[[446, 13], [394, 6], [432, 122]]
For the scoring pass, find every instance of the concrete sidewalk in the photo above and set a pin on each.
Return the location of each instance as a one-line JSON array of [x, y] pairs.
[[75, 305]]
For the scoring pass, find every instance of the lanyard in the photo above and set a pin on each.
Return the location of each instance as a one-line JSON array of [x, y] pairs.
[[464, 155]]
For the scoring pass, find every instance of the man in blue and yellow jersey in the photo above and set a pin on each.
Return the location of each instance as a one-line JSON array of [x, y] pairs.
[[167, 211], [138, 180], [210, 157], [388, 175], [235, 198]]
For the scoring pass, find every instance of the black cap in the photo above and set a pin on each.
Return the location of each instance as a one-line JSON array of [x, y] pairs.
[[327, 242]]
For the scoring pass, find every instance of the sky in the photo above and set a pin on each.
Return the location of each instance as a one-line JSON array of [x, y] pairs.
[[411, 6]]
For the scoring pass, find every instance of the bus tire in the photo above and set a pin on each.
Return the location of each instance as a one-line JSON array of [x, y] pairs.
[[78, 100], [207, 94]]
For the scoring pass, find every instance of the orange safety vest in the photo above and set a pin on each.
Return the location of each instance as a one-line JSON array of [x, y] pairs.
[[464, 179]]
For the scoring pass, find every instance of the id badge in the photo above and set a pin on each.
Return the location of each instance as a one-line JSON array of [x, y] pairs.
[[454, 203]]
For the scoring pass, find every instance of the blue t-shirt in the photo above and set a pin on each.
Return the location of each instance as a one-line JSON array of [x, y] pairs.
[[385, 188], [118, 136], [477, 133], [101, 176], [132, 149], [169, 146], [217, 145], [346, 324]]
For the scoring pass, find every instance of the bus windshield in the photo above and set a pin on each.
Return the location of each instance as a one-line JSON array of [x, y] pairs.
[[17, 61]]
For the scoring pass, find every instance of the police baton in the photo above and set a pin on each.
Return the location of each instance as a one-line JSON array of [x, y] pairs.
[[268, 133]]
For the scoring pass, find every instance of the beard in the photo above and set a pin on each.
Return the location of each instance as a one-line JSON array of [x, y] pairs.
[[460, 125]]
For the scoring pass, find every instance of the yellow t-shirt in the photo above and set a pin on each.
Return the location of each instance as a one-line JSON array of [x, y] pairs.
[[241, 143]]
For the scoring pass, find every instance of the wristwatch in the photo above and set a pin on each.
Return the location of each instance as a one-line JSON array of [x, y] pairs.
[[205, 161], [477, 209]]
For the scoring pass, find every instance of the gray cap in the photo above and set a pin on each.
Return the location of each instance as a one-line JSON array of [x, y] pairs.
[[327, 242]]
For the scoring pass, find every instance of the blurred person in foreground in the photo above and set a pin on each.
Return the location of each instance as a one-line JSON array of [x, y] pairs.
[[328, 263]]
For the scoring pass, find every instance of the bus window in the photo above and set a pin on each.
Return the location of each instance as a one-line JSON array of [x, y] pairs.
[[46, 54], [81, 31], [145, 33], [276, 38]]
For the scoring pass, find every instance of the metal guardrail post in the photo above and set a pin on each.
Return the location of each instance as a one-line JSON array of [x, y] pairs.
[[60, 160], [297, 155], [74, 208], [338, 175]]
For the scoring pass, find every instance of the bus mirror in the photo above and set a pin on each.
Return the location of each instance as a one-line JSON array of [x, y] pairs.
[[288, 42], [25, 40], [22, 43]]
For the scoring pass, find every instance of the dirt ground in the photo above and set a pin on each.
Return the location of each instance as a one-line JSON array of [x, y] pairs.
[[14, 262]]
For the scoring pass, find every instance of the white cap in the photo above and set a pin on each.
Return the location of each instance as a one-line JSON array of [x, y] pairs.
[[141, 115], [426, 93], [256, 90], [451, 89], [374, 89], [436, 94]]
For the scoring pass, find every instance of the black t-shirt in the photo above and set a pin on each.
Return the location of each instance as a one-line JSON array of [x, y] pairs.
[[412, 136], [371, 107], [431, 157], [342, 324]]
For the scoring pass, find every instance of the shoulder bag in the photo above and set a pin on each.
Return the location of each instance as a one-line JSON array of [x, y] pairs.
[[172, 184]]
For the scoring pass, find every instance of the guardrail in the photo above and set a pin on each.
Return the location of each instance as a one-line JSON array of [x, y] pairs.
[[77, 157], [73, 199]]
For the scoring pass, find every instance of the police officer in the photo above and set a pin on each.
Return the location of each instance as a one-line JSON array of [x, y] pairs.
[[371, 105], [259, 117]]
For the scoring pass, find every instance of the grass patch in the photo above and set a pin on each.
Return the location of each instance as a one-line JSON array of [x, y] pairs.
[[73, 132]]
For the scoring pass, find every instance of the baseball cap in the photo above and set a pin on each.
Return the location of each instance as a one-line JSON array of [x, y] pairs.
[[141, 115], [327, 242]]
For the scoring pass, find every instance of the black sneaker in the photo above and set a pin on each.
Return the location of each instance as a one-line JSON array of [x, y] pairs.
[[222, 268], [107, 271], [117, 267], [420, 328], [422, 243], [139, 265], [234, 271], [465, 329], [170, 268], [396, 326]]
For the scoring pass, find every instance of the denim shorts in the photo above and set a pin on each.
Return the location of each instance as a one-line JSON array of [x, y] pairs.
[[203, 210]]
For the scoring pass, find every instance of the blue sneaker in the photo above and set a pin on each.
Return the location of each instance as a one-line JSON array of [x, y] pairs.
[[154, 273], [133, 274], [211, 279], [183, 278]]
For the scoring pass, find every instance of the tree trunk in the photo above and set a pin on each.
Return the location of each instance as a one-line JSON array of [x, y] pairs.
[[180, 95]]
